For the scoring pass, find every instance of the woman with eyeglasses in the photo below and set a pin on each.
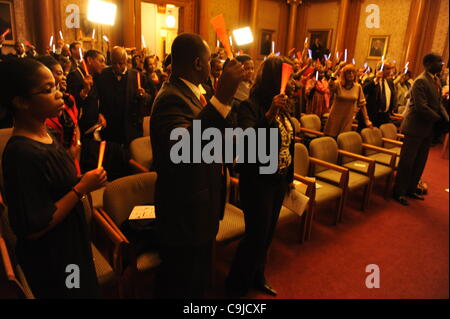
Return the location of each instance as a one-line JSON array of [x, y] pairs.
[[348, 99], [65, 125], [42, 190]]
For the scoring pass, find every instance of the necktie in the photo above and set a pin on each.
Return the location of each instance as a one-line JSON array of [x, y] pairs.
[[215, 84], [203, 100], [437, 84]]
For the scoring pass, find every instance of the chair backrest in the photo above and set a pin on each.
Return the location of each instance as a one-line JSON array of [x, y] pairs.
[[146, 126], [389, 130], [141, 151], [324, 148], [372, 136], [5, 134], [122, 194], [301, 160], [351, 142], [296, 124], [311, 121]]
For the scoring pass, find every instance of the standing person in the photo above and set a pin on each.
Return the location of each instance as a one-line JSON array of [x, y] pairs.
[[210, 85], [188, 213], [348, 100], [243, 90], [122, 102], [317, 93], [424, 111], [262, 195], [42, 190], [380, 95]]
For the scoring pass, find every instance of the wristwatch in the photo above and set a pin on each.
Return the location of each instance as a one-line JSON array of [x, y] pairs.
[[80, 196]]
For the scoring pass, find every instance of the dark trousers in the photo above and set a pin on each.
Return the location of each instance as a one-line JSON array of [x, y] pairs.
[[413, 158], [261, 198], [185, 271]]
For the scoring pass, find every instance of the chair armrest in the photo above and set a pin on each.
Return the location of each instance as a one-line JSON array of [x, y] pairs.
[[138, 167], [9, 269], [343, 170], [307, 130], [370, 161], [310, 186], [108, 224], [388, 140], [298, 139], [400, 136], [383, 150]]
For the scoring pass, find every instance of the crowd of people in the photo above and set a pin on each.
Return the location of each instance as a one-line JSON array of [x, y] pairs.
[[62, 104]]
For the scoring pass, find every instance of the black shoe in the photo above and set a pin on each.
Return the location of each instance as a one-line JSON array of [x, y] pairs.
[[416, 196], [267, 289], [402, 200]]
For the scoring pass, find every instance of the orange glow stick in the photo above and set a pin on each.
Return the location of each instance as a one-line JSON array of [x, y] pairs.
[[218, 23], [101, 153], [286, 72], [139, 80], [6, 32]]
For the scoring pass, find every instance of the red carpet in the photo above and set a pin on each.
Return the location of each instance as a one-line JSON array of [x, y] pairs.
[[409, 244]]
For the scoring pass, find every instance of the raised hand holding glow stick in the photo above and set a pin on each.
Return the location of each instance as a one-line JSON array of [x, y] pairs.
[[51, 41], [93, 34], [83, 63], [317, 75], [310, 53], [61, 35], [6, 33], [345, 55], [273, 46]]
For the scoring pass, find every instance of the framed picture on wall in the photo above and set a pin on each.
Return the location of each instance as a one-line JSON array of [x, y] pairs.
[[324, 36], [265, 42], [7, 21], [378, 45]]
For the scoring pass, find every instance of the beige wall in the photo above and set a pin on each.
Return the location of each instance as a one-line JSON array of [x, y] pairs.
[[322, 16], [393, 21], [230, 11]]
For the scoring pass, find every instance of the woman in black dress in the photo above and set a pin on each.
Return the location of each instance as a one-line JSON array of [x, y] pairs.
[[262, 195], [42, 190]]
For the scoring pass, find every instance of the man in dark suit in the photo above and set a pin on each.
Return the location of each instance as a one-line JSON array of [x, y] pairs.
[[425, 109], [189, 197], [122, 102], [380, 96]]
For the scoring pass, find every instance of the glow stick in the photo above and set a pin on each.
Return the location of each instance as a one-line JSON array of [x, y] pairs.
[[382, 58], [105, 38], [406, 65], [101, 153], [325, 56], [231, 40], [382, 66], [218, 43], [353, 61], [366, 65], [93, 34], [286, 72], [83, 63], [337, 55], [61, 35], [139, 80], [310, 53], [345, 55], [51, 41], [6, 32], [317, 75], [306, 40], [406, 70], [273, 46], [81, 54], [54, 49], [278, 53], [143, 42], [218, 23]]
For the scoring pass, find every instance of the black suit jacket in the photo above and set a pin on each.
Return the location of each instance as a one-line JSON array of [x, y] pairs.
[[135, 107], [189, 198], [376, 103], [425, 108]]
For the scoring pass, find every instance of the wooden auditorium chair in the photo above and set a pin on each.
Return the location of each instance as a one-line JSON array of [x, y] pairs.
[[374, 147]]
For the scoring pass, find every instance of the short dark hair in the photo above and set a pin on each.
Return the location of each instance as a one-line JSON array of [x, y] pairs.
[[167, 61], [243, 58], [185, 49], [430, 58], [92, 54], [74, 44]]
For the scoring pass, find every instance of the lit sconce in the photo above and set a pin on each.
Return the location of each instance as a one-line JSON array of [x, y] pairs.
[[170, 19], [243, 36], [102, 12]]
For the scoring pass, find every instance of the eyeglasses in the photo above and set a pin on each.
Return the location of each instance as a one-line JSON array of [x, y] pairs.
[[47, 91]]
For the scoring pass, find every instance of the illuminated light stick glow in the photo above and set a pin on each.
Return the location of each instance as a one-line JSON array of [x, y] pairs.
[[61, 35], [317, 75], [382, 66], [278, 53], [51, 41], [218, 23], [306, 40], [382, 58], [231, 40], [366, 65], [345, 55], [105, 38], [406, 70], [139, 80], [101, 153], [273, 46], [54, 48], [6, 32], [325, 56], [83, 62], [286, 72], [93, 34], [353, 61], [406, 65], [218, 43], [337, 55], [310, 53], [143, 41]]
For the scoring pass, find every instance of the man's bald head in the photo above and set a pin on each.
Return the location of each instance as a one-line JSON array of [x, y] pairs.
[[190, 57], [119, 59]]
